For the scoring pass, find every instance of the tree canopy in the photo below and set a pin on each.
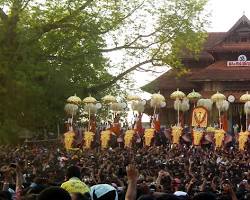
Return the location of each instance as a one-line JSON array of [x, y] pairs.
[[52, 49]]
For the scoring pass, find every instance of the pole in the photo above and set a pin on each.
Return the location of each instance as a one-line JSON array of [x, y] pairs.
[[89, 120], [71, 128], [108, 114], [154, 111], [219, 120], [178, 112], [246, 122]]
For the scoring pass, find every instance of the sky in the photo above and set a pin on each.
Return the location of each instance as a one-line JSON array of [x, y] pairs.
[[224, 13]]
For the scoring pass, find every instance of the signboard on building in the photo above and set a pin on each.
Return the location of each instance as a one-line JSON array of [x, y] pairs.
[[241, 62]]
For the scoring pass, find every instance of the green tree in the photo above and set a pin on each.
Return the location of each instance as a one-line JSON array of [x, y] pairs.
[[51, 49]]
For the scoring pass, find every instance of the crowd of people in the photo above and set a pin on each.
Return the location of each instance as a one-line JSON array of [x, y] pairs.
[[48, 171]]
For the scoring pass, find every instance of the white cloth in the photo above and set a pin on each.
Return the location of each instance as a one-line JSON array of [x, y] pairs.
[[102, 189], [180, 193]]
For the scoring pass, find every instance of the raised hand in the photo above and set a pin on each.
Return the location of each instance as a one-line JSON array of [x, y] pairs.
[[132, 173]]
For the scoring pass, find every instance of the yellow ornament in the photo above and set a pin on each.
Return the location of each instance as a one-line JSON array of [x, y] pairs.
[[176, 134], [148, 136], [68, 139], [88, 139], [197, 136], [105, 138], [219, 136], [210, 129], [128, 138], [243, 137]]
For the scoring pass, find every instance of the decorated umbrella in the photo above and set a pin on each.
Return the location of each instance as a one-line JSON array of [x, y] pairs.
[[222, 106], [89, 100], [92, 108], [116, 107], [72, 106], [246, 98], [133, 98], [157, 101], [109, 99], [178, 96], [225, 106], [218, 98], [74, 100], [185, 105], [71, 109], [206, 103], [138, 106], [182, 106], [194, 96]]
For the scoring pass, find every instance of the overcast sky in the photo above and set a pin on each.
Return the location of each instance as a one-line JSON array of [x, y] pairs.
[[224, 13]]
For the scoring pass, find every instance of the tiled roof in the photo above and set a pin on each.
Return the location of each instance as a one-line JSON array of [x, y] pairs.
[[171, 80], [232, 47], [213, 38], [219, 71], [215, 43]]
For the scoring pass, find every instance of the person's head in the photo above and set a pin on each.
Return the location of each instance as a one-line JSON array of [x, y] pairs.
[[103, 192], [5, 195], [73, 171], [176, 183], [166, 183], [167, 197], [204, 196], [79, 196], [54, 193]]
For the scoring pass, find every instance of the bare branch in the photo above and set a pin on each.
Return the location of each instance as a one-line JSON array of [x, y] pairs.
[[3, 15], [25, 4], [61, 23], [118, 77], [129, 45], [140, 69]]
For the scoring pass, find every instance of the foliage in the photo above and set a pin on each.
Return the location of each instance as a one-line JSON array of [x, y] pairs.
[[54, 48]]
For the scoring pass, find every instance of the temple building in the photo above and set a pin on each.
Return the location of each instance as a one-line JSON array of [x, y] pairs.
[[222, 66]]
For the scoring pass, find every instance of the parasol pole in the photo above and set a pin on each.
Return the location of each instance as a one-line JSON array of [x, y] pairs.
[[107, 117], [219, 119], [154, 110], [89, 120], [246, 122], [153, 117], [71, 128], [114, 116], [178, 113], [240, 121]]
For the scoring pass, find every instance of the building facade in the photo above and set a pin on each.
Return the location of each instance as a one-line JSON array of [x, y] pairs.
[[223, 65]]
